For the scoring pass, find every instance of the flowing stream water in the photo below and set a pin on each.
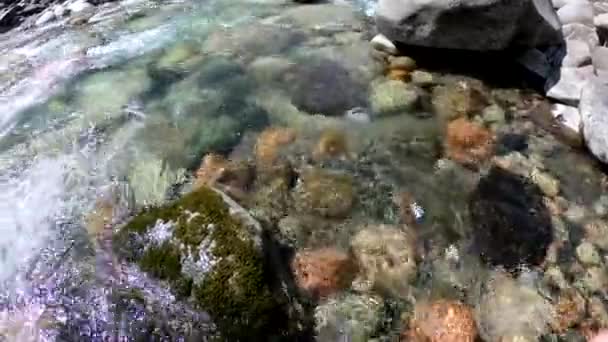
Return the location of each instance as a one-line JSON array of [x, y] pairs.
[[121, 109]]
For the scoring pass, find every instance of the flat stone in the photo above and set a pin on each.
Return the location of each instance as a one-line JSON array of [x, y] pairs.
[[567, 84], [567, 116], [582, 32], [576, 12], [578, 53], [594, 114]]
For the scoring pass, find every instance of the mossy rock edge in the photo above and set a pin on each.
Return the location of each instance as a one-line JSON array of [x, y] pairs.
[[236, 290]]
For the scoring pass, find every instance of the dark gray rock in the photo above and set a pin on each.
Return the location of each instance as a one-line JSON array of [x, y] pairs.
[[479, 25], [323, 86]]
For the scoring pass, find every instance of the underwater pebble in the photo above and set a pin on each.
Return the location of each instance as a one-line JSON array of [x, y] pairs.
[[597, 231], [547, 184], [326, 193], [494, 114], [594, 279], [386, 257], [510, 310], [442, 321], [555, 277], [600, 207], [570, 310], [323, 272], [358, 114], [588, 254], [402, 63], [392, 97], [422, 78], [576, 213], [350, 317]]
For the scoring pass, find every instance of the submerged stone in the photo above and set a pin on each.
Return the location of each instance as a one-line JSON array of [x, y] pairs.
[[393, 97], [512, 225], [325, 193], [322, 86], [210, 250]]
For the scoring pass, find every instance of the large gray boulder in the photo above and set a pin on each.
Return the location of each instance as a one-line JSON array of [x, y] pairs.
[[594, 115], [479, 25]]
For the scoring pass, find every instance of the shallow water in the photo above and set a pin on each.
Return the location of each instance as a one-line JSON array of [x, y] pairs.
[[123, 110]]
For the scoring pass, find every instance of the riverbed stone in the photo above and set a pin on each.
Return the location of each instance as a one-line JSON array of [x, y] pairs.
[[578, 54], [600, 61], [594, 279], [349, 316], [392, 97], [588, 254], [580, 11], [323, 86], [566, 85], [594, 115], [581, 32], [208, 248], [327, 193], [489, 25]]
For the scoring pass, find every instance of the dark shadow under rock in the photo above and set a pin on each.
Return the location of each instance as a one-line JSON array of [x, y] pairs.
[[512, 226], [322, 86], [497, 69]]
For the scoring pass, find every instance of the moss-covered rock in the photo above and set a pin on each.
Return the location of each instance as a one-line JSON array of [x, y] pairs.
[[208, 249]]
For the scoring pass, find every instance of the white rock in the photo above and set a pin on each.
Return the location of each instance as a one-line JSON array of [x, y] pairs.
[[46, 17], [600, 7], [79, 6], [576, 12], [578, 54], [557, 4], [601, 21], [567, 84], [568, 116], [581, 32], [59, 11], [600, 61], [380, 42], [594, 115]]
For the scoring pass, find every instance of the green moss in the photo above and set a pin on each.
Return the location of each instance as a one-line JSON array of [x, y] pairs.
[[236, 291], [162, 262]]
